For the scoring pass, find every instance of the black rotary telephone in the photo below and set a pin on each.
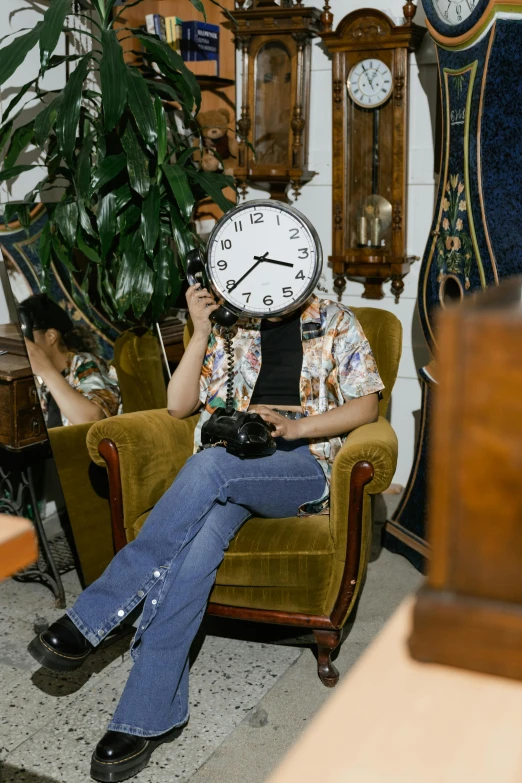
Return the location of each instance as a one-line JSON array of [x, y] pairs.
[[26, 322], [246, 435]]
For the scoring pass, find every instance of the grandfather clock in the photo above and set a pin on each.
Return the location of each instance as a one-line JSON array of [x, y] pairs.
[[475, 238], [369, 150], [275, 46]]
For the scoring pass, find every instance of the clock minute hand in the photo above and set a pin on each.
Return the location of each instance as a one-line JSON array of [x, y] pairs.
[[258, 261]]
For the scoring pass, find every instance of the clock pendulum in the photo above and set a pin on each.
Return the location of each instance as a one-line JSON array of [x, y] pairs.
[[474, 241]]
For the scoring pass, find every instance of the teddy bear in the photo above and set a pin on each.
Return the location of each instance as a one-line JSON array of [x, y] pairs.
[[216, 138]]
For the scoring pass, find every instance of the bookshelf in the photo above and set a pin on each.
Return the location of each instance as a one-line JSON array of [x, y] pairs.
[[218, 92]]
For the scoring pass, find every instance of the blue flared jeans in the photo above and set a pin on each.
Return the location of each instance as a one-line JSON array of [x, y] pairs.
[[171, 566]]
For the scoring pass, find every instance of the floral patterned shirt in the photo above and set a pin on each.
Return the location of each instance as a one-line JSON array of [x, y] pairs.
[[94, 378], [338, 365]]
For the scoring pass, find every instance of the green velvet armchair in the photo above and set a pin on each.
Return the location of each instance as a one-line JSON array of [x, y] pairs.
[[303, 571], [138, 363]]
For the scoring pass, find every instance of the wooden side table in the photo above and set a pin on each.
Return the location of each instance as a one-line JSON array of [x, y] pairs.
[[23, 443]]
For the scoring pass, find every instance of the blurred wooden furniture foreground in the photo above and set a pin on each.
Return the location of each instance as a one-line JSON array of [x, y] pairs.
[[18, 547], [393, 720], [469, 613]]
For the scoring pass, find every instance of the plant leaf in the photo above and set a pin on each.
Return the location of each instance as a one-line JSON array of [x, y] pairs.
[[86, 249], [69, 111], [129, 219], [183, 237], [161, 281], [113, 79], [15, 171], [161, 121], [123, 196], [53, 22], [66, 218], [109, 168], [19, 141], [85, 220], [137, 162], [207, 181], [5, 132], [142, 288], [84, 166], [172, 59], [140, 103], [198, 5], [46, 119], [127, 272], [24, 215], [179, 184], [14, 54], [106, 218], [150, 219], [17, 98], [64, 254]]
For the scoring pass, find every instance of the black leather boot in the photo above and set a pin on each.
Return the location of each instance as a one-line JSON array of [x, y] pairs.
[[62, 647], [120, 756]]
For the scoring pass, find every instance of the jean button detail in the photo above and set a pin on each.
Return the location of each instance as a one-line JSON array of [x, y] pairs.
[[140, 593], [154, 602], [121, 613], [157, 574], [100, 632]]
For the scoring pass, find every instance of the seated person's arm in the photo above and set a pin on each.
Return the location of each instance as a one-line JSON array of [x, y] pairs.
[[77, 408], [184, 391]]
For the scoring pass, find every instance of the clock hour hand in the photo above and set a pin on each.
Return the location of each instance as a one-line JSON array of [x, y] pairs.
[[273, 261]]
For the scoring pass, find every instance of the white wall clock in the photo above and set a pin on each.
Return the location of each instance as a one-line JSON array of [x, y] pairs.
[[264, 258]]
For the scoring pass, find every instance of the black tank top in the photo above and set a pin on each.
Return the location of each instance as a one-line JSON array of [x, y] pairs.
[[281, 362]]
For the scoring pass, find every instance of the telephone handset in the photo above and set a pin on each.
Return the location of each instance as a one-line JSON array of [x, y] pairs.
[[196, 273], [26, 323]]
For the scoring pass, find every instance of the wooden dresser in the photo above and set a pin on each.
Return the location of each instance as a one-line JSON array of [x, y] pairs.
[[21, 420]]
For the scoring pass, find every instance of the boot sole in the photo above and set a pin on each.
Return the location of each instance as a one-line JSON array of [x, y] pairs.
[[116, 771], [55, 661]]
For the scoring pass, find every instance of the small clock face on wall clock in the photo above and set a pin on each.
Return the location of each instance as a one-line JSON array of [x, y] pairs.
[[453, 12], [264, 258], [370, 83]]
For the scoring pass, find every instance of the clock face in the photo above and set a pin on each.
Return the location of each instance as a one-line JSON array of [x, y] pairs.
[[453, 12], [370, 83], [264, 258]]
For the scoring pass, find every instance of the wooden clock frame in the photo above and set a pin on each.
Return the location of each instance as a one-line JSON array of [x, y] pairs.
[[370, 33]]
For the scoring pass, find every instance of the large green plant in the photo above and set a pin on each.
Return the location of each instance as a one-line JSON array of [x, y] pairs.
[[127, 180]]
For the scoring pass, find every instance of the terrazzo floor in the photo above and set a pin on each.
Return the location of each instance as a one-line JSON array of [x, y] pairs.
[[50, 723]]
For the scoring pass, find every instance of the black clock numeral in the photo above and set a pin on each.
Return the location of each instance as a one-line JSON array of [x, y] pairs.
[[226, 244], [230, 284], [268, 301], [287, 292], [278, 221], [304, 251], [222, 265], [294, 233], [300, 275], [248, 294], [238, 223], [383, 89], [258, 218]]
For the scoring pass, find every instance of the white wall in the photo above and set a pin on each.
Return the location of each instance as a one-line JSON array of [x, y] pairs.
[[316, 202]]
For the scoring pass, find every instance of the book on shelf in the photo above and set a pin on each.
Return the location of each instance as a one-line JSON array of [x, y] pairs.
[[174, 27], [156, 25], [200, 43]]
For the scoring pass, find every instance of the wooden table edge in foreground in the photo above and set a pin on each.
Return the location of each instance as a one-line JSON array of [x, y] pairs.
[[393, 720], [18, 547]]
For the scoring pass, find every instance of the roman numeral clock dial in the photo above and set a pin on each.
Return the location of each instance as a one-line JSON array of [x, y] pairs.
[[264, 258], [370, 83]]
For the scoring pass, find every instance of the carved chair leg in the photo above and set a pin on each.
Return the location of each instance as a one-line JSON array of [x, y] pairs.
[[327, 642]]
